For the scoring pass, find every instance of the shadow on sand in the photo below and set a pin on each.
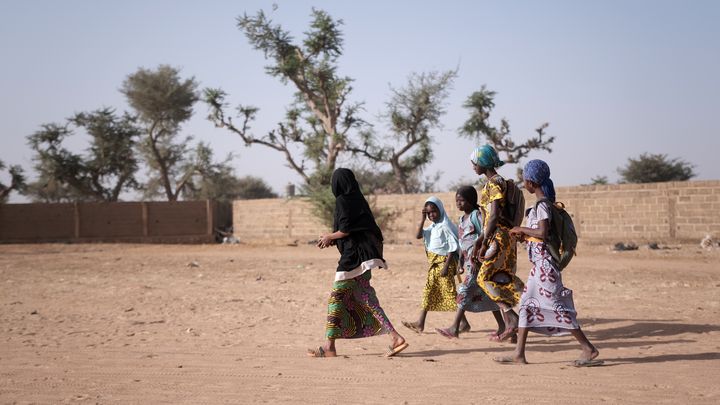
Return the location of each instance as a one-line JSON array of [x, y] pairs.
[[633, 335]]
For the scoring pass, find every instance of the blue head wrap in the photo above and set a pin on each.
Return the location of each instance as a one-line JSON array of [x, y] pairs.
[[485, 156], [538, 172]]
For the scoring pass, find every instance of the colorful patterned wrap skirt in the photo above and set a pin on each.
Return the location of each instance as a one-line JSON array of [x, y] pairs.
[[497, 275], [546, 306], [439, 293], [354, 310]]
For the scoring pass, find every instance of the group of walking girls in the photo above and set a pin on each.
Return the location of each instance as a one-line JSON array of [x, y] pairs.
[[480, 251]]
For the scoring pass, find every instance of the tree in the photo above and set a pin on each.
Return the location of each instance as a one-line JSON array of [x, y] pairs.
[[217, 181], [599, 180], [163, 101], [477, 127], [102, 174], [413, 111], [17, 181], [653, 168], [321, 120]]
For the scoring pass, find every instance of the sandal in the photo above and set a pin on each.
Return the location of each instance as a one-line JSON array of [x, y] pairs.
[[412, 327], [446, 332], [392, 351], [320, 352]]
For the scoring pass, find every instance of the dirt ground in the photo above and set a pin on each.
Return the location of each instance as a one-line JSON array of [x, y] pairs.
[[212, 324]]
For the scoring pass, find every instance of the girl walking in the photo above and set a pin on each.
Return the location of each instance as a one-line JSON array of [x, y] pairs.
[[470, 296], [546, 306], [496, 251], [353, 307], [441, 248]]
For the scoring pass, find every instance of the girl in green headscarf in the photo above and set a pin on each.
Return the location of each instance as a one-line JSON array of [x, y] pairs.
[[495, 250]]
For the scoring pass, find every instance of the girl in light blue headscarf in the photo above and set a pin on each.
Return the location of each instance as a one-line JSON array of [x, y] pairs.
[[441, 247]]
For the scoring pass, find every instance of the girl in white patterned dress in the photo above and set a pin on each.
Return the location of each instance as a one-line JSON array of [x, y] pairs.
[[546, 306]]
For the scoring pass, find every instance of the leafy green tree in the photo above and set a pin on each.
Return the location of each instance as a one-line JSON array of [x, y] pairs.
[[599, 180], [413, 112], [478, 127], [17, 181], [321, 119], [163, 102], [217, 181], [653, 168], [106, 170]]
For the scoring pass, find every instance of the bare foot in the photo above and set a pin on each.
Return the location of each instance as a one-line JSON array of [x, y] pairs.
[[510, 360]]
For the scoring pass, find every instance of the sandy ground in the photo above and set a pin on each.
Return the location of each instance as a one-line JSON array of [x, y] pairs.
[[230, 324]]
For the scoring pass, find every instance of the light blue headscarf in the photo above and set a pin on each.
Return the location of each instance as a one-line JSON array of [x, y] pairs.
[[441, 237], [486, 156], [538, 172]]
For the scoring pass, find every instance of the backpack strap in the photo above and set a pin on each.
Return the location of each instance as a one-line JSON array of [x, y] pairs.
[[476, 221]]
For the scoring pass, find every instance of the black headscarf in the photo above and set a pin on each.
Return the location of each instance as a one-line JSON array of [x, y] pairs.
[[353, 216], [352, 212]]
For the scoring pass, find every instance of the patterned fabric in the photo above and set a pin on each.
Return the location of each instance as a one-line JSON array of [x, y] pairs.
[[486, 156], [470, 296], [439, 293], [354, 310], [538, 172], [546, 306], [497, 275]]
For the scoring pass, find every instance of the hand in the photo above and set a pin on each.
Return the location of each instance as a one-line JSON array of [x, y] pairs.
[[516, 230], [324, 241], [444, 272], [423, 216], [481, 253]]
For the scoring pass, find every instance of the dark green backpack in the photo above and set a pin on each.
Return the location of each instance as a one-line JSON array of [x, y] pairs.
[[561, 240]]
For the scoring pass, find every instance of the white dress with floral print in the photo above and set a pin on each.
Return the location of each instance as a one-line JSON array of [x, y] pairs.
[[546, 306]]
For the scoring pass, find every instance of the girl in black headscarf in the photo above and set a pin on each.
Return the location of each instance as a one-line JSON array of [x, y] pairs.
[[353, 307]]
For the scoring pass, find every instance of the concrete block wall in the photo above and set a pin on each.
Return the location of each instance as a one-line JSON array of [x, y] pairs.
[[185, 221], [673, 211]]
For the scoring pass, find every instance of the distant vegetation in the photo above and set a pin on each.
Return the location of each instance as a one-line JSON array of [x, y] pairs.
[[649, 168]]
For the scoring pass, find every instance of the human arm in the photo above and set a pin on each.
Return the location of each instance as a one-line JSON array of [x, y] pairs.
[[540, 232], [330, 238], [448, 261], [421, 225], [481, 245]]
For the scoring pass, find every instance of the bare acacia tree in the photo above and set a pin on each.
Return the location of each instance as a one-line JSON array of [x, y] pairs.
[[413, 112], [477, 127], [321, 119]]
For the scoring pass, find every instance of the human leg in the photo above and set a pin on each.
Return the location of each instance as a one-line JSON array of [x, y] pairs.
[[589, 352], [518, 356], [455, 328]]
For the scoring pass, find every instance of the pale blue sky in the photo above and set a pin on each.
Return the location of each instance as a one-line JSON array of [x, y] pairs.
[[613, 78]]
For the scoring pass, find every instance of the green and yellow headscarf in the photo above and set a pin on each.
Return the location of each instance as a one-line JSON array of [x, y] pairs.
[[485, 156]]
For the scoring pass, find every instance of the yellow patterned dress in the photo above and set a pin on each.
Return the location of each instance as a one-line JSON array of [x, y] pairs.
[[497, 274], [439, 292]]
